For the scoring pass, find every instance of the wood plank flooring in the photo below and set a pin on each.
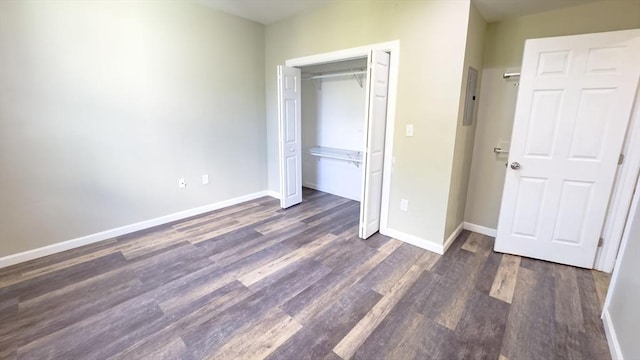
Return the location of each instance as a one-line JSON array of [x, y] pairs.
[[253, 281]]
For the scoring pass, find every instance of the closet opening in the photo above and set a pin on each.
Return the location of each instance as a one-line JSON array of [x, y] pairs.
[[333, 112], [334, 127]]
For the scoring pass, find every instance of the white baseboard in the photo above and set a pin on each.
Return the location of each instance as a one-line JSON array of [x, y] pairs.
[[452, 237], [273, 194], [111, 233], [333, 191], [612, 339], [480, 229], [414, 240]]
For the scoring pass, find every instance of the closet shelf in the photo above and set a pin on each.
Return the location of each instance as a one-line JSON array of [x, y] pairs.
[[352, 156], [337, 74], [358, 74]]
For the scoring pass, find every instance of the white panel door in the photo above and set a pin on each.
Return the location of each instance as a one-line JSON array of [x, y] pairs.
[[373, 159], [290, 138], [574, 103]]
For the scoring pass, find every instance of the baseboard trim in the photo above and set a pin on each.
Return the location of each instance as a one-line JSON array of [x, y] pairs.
[[329, 191], [480, 229], [273, 194], [414, 240], [21, 257], [452, 237], [612, 338]]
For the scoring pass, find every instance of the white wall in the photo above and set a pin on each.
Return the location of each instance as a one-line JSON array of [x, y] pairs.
[[333, 116], [503, 53], [105, 104], [622, 310]]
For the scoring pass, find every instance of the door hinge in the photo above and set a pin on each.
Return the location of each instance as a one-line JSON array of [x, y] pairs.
[[600, 242], [620, 159]]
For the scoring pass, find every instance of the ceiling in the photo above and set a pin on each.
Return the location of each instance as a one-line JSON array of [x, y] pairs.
[[265, 11], [496, 10], [270, 11]]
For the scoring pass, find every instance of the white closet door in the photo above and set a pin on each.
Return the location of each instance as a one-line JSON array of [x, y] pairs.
[[574, 101], [373, 159], [290, 138]]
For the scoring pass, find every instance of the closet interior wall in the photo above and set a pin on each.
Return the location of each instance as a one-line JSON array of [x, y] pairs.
[[333, 118]]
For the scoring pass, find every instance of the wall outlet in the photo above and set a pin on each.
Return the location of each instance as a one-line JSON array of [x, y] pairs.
[[410, 130], [404, 205], [205, 179], [182, 183]]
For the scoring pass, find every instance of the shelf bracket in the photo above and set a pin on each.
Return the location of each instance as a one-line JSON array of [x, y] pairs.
[[357, 164], [360, 79]]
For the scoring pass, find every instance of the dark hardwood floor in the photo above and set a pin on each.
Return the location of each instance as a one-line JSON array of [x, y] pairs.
[[253, 281]]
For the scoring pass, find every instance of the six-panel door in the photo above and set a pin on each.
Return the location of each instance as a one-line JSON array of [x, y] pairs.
[[575, 98]]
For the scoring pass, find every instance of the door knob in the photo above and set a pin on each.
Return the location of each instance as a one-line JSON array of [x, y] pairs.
[[292, 150], [515, 165]]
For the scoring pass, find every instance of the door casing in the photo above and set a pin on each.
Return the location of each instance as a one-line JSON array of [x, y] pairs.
[[622, 194]]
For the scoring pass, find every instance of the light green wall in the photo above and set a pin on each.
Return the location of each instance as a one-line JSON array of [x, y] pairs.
[[503, 52], [465, 134], [105, 104], [432, 38]]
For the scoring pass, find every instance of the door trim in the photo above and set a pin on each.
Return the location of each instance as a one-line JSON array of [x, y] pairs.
[[614, 345], [622, 193], [393, 48]]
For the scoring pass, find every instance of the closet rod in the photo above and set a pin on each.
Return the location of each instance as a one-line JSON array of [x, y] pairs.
[[322, 76]]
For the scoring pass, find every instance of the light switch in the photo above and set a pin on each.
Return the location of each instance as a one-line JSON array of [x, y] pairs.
[[404, 205], [410, 130], [205, 179]]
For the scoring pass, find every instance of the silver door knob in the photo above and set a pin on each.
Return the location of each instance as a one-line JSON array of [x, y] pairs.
[[515, 165], [292, 150]]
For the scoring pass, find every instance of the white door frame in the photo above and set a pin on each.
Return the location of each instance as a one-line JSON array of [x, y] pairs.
[[393, 48], [622, 193], [634, 208]]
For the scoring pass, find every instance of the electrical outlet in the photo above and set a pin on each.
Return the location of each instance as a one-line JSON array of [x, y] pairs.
[[205, 179], [410, 130], [404, 205], [182, 183]]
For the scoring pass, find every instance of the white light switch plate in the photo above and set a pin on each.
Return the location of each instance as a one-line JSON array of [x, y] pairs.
[[205, 179], [404, 205], [182, 183], [410, 130]]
